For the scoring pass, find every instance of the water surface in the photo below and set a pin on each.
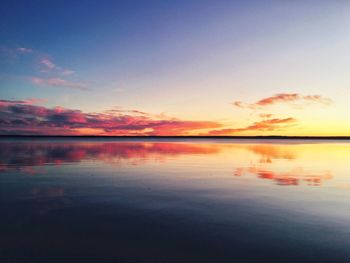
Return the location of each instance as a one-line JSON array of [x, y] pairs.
[[76, 200]]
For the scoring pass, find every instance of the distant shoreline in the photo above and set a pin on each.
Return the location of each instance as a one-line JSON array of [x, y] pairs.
[[272, 137]]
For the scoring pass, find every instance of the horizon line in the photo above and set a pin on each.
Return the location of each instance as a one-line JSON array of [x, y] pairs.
[[266, 137]]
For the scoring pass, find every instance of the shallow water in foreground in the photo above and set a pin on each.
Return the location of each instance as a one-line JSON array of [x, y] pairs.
[[76, 200]]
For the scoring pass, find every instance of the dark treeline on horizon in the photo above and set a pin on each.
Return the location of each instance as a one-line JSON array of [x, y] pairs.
[[268, 137]]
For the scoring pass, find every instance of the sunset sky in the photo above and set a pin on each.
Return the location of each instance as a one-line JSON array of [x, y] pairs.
[[175, 67]]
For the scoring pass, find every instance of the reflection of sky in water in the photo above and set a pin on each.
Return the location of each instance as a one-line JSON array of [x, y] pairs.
[[285, 164], [198, 201]]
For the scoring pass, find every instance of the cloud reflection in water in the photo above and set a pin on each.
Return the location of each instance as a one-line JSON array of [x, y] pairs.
[[285, 164]]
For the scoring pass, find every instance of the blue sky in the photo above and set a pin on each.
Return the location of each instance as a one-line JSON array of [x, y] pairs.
[[184, 59]]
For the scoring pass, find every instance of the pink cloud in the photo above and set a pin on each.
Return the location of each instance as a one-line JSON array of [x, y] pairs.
[[47, 63], [284, 98], [264, 125], [24, 118]]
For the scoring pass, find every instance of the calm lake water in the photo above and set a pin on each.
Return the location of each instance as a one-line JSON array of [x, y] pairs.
[[79, 200]]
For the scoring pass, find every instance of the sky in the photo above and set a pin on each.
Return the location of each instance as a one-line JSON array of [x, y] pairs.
[[175, 67]]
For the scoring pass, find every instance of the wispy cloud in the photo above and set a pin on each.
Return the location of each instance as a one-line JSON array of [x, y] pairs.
[[265, 115], [14, 52], [48, 65], [24, 50], [58, 82], [275, 124], [55, 75], [284, 98], [23, 118], [66, 72]]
